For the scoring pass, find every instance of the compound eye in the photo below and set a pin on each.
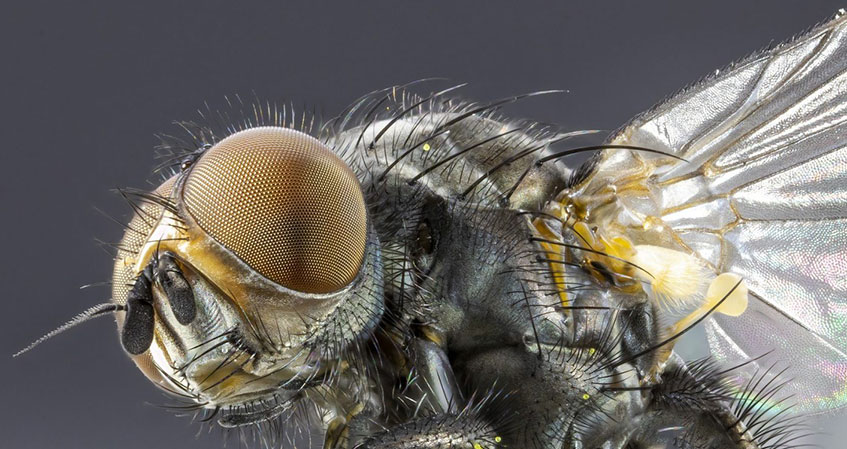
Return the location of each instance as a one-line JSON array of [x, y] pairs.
[[283, 203]]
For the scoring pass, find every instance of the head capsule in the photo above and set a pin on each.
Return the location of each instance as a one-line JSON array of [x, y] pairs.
[[241, 273]]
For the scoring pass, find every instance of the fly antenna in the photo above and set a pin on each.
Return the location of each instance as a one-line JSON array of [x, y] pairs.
[[93, 312]]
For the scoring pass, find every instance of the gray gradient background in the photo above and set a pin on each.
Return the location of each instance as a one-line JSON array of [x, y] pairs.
[[85, 87]]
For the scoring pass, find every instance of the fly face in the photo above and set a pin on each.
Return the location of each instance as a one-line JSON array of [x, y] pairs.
[[249, 271]]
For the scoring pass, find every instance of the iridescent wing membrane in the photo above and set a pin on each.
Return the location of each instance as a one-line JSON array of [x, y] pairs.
[[762, 193]]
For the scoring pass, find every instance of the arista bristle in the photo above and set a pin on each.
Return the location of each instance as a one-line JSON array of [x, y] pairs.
[[90, 313]]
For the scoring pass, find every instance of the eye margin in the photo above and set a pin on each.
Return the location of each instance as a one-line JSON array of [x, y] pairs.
[[319, 231]]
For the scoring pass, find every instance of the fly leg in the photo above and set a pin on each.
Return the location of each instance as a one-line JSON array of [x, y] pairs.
[[693, 407], [437, 413], [445, 431]]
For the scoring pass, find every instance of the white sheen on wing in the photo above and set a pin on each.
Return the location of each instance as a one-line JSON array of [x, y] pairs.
[[763, 195]]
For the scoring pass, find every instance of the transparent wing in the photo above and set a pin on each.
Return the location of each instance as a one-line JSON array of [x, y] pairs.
[[763, 194]]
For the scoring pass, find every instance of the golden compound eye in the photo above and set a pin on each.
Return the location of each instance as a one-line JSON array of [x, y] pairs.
[[283, 203]]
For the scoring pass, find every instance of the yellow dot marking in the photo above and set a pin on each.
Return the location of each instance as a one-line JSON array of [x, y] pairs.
[[477, 446], [585, 397], [497, 439], [591, 351], [426, 147]]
